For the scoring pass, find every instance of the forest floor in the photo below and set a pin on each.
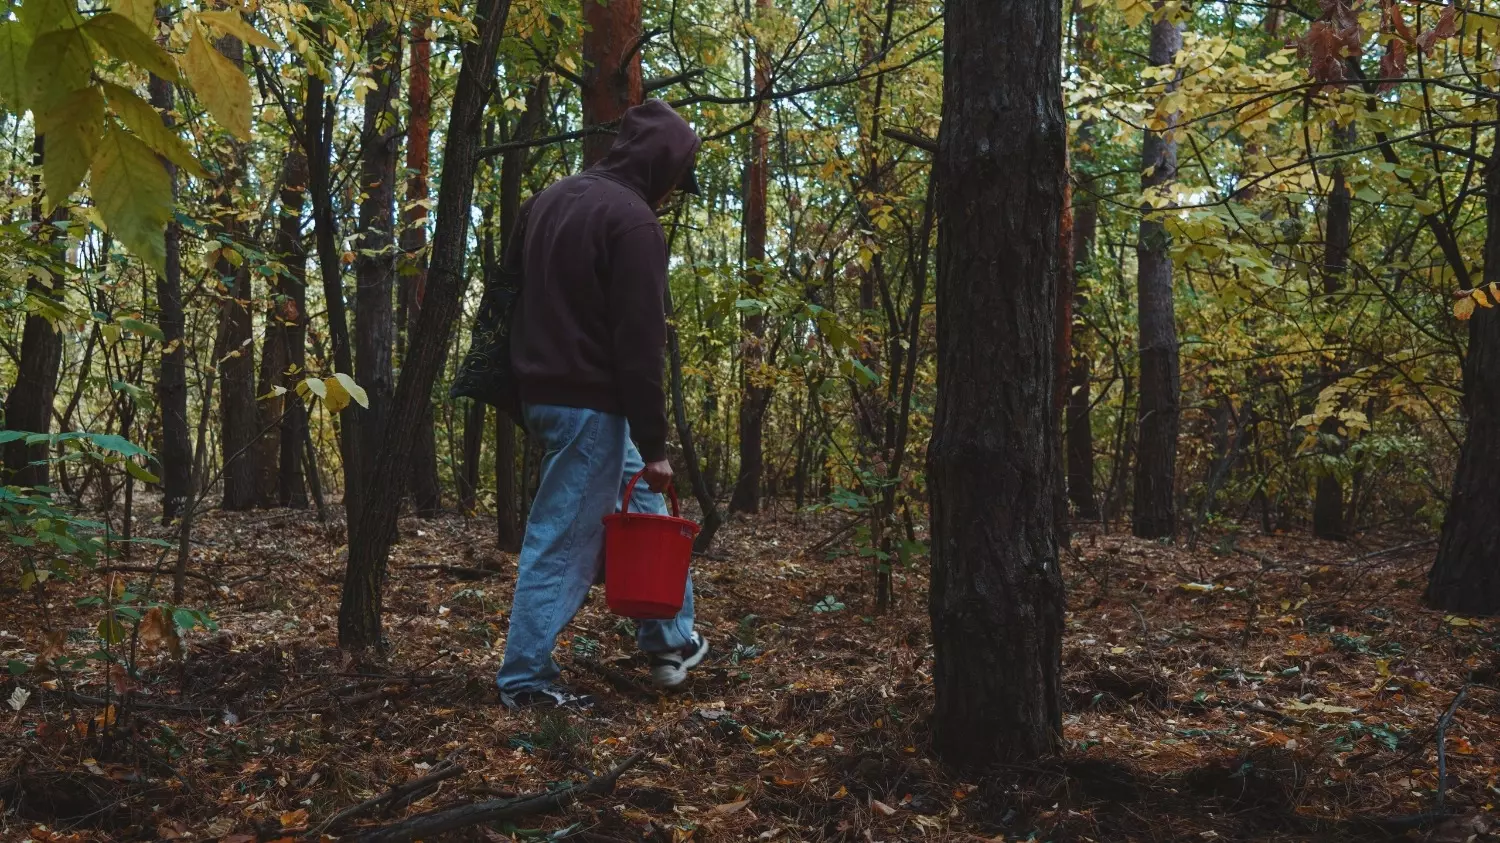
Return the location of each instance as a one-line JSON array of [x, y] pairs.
[[1257, 688]]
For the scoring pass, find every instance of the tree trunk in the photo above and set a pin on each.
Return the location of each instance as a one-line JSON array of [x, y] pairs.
[[318, 117], [1465, 576], [375, 529], [176, 452], [275, 354], [997, 594], [28, 407], [755, 392], [291, 312], [375, 266], [473, 449], [1328, 496], [426, 490], [238, 417], [612, 72], [1080, 431], [1158, 410]]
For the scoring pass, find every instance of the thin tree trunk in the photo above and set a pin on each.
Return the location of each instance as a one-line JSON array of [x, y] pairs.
[[238, 417], [1080, 431], [612, 72], [318, 118], [1465, 576], [375, 266], [176, 451], [426, 491], [997, 593], [1328, 495], [755, 391], [28, 407], [1158, 411], [374, 531], [291, 312]]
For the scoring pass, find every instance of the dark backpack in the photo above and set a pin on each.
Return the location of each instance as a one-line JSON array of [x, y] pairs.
[[486, 374]]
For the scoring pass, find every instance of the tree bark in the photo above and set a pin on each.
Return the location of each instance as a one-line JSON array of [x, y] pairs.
[[28, 407], [238, 416], [1080, 431], [318, 117], [176, 453], [755, 391], [374, 531], [426, 491], [375, 264], [1328, 495], [997, 595], [290, 315], [612, 74], [1158, 411], [1465, 576]]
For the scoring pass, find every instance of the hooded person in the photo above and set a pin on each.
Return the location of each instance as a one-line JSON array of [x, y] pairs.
[[588, 348]]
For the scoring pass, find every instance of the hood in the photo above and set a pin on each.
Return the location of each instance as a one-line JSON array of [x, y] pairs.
[[653, 151]]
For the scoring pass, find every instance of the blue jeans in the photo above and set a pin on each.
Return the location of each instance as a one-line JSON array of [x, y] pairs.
[[589, 460]]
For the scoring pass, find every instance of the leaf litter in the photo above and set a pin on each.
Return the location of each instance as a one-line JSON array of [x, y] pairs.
[[1279, 693]]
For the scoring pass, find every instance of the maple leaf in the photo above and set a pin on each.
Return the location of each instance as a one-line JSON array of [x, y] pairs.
[[1446, 27], [1392, 64], [1394, 21]]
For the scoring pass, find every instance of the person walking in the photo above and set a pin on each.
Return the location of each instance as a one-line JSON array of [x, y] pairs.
[[587, 345]]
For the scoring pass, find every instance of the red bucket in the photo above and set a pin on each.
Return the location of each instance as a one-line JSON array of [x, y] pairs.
[[646, 560]]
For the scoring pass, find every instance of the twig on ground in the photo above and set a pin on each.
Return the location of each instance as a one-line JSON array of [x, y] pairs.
[[458, 571], [403, 793], [434, 823], [621, 681], [1442, 749]]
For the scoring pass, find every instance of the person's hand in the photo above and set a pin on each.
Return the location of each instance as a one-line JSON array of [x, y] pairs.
[[658, 475]]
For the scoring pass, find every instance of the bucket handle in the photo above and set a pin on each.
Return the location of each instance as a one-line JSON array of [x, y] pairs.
[[630, 492]]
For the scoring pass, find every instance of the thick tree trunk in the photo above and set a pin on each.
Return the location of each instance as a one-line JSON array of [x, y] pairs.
[[176, 453], [1158, 411], [755, 391], [997, 595], [1465, 576], [375, 266], [238, 418], [612, 73], [374, 531], [290, 312], [426, 491], [318, 117]]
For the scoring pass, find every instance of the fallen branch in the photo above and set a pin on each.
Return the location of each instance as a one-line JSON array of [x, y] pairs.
[[404, 793], [433, 823], [458, 571], [142, 569], [132, 700]]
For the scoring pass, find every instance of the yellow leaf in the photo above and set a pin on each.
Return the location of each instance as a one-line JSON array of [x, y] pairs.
[[230, 23], [1463, 308], [146, 122], [1135, 11], [293, 819], [223, 87], [335, 397], [355, 391], [15, 45], [133, 194], [58, 65], [142, 13], [1480, 298], [125, 41], [70, 136]]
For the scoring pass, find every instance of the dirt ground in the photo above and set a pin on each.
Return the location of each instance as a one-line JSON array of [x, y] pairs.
[[1255, 688]]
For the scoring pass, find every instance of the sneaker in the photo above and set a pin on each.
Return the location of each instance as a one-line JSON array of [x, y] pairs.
[[547, 696], [668, 670]]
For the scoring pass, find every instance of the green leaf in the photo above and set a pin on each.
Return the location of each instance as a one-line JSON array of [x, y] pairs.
[[117, 444], [111, 631], [147, 123], [70, 136], [230, 23], [184, 619], [316, 387], [125, 41], [15, 45], [16, 667], [223, 87], [12, 435], [135, 470], [134, 195], [58, 65], [43, 16], [143, 328]]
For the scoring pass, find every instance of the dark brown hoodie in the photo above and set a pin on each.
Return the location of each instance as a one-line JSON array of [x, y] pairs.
[[589, 329]]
